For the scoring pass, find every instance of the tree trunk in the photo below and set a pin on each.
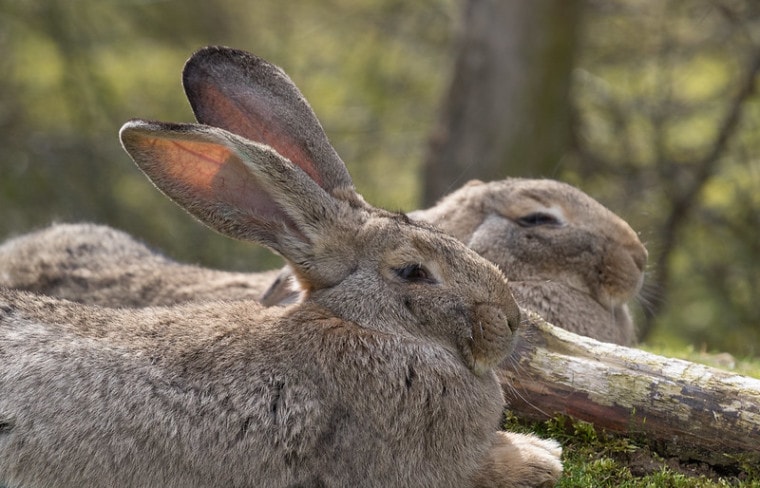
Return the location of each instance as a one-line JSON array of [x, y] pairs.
[[507, 107], [680, 408]]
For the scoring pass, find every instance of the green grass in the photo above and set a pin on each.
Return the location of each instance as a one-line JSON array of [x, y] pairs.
[[594, 459], [747, 366]]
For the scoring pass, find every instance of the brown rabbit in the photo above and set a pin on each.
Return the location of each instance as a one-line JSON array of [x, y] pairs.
[[99, 265], [567, 257], [381, 376]]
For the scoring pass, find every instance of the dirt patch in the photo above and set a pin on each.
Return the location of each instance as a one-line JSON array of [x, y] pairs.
[[644, 462]]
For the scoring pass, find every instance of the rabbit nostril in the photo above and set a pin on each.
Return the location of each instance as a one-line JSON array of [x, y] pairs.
[[514, 321]]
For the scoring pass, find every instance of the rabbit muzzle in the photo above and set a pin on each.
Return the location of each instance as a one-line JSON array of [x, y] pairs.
[[493, 328], [621, 273]]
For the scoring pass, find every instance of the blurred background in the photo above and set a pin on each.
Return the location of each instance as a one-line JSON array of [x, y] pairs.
[[647, 105]]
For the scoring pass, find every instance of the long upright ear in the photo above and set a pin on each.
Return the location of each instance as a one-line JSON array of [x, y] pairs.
[[240, 188], [248, 96]]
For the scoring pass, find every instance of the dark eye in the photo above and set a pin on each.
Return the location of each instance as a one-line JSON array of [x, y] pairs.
[[538, 218], [415, 273]]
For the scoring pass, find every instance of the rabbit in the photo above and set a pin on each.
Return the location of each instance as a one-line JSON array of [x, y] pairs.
[[567, 257], [99, 265], [381, 375]]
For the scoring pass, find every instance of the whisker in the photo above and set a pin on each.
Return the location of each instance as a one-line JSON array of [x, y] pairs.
[[513, 364]]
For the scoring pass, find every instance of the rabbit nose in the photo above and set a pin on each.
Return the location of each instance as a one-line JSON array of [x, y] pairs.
[[639, 255], [628, 240], [492, 333]]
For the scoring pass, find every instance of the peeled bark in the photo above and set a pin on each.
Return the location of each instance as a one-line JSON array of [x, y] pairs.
[[680, 408]]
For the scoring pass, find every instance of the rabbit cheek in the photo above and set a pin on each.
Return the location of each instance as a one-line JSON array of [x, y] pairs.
[[449, 313], [481, 334]]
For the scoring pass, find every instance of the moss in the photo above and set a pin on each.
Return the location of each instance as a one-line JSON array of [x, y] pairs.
[[593, 458]]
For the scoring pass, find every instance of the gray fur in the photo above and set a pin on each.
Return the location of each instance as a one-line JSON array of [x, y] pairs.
[[379, 377]]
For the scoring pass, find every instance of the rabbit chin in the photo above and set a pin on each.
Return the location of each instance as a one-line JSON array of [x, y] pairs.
[[619, 288], [614, 298]]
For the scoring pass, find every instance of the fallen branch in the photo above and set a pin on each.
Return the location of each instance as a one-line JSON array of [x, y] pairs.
[[680, 408]]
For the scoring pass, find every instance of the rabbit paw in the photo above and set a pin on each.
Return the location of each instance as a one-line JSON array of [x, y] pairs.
[[521, 461]]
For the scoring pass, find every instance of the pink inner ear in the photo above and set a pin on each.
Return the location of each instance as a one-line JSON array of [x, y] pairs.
[[234, 116], [212, 174]]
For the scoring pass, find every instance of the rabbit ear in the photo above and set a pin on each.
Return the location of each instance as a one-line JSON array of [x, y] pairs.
[[248, 96], [238, 187]]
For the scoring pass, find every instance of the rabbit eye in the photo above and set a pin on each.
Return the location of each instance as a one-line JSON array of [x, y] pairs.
[[538, 218], [415, 273]]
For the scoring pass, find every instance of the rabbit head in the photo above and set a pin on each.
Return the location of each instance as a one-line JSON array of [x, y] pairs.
[[545, 231], [263, 170]]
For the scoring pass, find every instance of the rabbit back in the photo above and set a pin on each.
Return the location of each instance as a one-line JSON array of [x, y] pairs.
[[99, 265]]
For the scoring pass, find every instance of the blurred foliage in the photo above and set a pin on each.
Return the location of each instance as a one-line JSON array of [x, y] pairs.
[[76, 70], [653, 82], [667, 135]]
